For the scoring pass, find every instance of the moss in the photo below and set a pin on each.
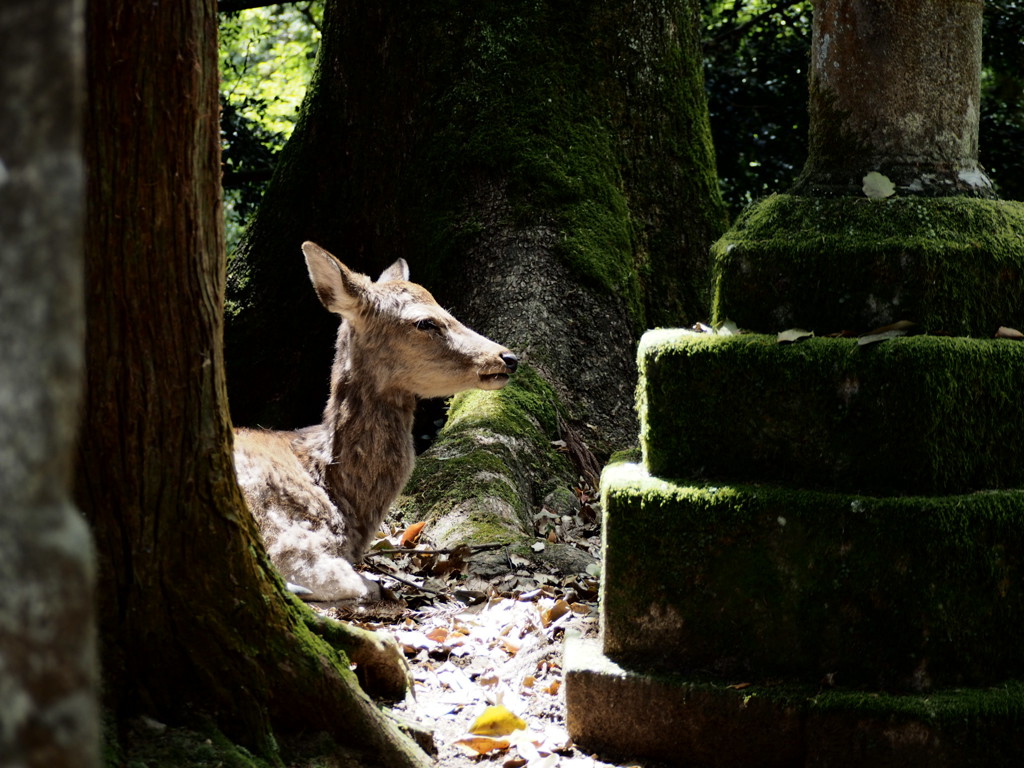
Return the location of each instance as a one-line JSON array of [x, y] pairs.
[[495, 447], [157, 746], [951, 264], [588, 118], [908, 415], [907, 592]]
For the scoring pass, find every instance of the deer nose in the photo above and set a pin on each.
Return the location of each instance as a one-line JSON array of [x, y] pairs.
[[511, 361]]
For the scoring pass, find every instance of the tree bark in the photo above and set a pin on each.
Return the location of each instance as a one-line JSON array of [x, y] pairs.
[[895, 89], [49, 713], [193, 620], [547, 172], [553, 161]]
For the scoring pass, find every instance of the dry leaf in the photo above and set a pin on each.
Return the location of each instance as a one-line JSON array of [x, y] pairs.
[[1009, 333], [410, 534], [892, 331], [555, 612], [481, 745], [496, 721], [793, 334], [877, 187]]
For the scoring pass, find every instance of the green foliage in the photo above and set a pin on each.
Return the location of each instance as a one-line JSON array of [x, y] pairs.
[[756, 55], [266, 62], [756, 59], [1002, 96]]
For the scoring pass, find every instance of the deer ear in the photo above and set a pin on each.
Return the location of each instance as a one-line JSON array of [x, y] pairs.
[[397, 271], [339, 288]]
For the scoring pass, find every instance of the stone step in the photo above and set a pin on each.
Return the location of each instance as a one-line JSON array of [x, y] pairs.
[[919, 415], [906, 593], [827, 264], [626, 713]]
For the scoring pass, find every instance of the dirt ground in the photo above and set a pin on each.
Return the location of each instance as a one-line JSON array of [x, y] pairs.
[[483, 631]]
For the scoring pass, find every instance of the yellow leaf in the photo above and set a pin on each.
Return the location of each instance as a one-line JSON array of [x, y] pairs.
[[496, 721], [483, 744]]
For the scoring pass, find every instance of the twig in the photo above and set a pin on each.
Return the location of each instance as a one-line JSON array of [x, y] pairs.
[[400, 580], [473, 549]]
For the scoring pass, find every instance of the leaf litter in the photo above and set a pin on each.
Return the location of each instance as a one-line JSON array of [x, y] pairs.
[[484, 645]]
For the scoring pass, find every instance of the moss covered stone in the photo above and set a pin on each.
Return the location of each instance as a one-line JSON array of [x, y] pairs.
[[693, 720], [827, 264], [759, 580], [909, 415], [491, 463]]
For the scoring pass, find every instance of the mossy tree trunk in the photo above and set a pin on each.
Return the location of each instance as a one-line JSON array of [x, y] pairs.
[[545, 168], [193, 623], [895, 89], [49, 674]]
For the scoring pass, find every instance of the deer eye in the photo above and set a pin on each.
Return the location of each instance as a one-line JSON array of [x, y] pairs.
[[426, 325]]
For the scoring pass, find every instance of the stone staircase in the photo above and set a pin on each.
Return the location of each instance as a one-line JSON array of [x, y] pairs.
[[820, 560]]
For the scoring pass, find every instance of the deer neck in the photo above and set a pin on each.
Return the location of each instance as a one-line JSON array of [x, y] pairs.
[[369, 431]]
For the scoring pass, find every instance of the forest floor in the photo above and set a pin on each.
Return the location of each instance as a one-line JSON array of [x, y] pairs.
[[483, 632]]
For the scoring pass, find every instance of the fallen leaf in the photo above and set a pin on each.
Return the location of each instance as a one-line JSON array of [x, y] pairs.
[[727, 328], [892, 331], [877, 187], [555, 612], [1009, 333], [496, 721], [553, 688], [792, 335], [438, 634], [739, 686], [481, 745], [410, 534], [515, 762]]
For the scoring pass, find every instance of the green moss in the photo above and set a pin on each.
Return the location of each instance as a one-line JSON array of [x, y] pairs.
[[583, 134], [495, 445], [156, 746], [921, 414], [907, 592], [952, 264]]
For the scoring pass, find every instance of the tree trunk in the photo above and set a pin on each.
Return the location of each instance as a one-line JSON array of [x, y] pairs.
[[49, 714], [193, 621], [546, 171], [895, 89]]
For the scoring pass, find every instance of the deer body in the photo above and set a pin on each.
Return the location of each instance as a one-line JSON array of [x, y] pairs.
[[319, 494]]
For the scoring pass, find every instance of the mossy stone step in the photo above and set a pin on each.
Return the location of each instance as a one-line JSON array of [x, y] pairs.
[[828, 264], [760, 580], [685, 720], [922, 415]]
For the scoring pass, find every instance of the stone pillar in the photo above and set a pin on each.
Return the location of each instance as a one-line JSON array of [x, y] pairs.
[[895, 89]]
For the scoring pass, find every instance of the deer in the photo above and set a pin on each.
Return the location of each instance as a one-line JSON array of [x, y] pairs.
[[319, 494]]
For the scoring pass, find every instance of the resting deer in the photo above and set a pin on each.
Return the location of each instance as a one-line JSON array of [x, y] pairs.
[[320, 493]]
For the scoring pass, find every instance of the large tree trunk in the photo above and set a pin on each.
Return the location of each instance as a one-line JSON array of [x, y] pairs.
[[567, 141], [192, 619], [49, 713], [546, 170]]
